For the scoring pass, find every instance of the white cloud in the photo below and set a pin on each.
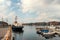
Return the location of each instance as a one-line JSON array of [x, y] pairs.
[[4, 7], [37, 4], [1, 15], [1, 1], [46, 10], [11, 14], [10, 17], [41, 17], [26, 5], [27, 20], [8, 2]]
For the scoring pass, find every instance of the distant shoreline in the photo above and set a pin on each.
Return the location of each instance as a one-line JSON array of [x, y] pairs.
[[54, 23]]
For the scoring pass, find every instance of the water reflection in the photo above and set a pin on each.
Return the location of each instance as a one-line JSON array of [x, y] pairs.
[[29, 33], [18, 35]]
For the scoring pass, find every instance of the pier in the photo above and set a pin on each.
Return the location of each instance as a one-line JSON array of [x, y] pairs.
[[8, 34]]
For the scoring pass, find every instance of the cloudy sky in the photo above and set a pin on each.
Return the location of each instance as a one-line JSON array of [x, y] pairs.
[[30, 10]]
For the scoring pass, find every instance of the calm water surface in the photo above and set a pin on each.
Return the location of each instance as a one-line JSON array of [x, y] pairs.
[[30, 34]]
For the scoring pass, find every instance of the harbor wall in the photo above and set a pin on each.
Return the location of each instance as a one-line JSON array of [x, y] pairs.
[[8, 35]]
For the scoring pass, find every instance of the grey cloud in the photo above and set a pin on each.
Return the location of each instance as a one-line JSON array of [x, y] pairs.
[[51, 1], [48, 1], [58, 2]]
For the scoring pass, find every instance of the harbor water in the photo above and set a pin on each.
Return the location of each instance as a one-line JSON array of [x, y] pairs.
[[29, 33]]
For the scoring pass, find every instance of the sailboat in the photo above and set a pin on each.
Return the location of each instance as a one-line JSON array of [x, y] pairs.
[[17, 26]]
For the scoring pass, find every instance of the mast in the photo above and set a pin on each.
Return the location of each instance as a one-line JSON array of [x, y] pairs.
[[2, 19], [2, 22], [7, 20], [16, 19]]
